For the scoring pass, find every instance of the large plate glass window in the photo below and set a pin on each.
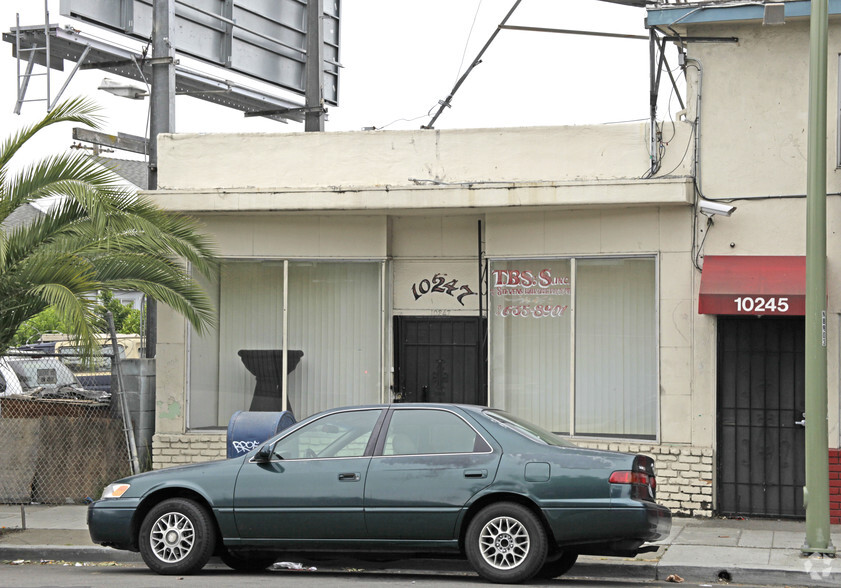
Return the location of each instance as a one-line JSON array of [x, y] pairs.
[[530, 327], [333, 320], [615, 348], [573, 344]]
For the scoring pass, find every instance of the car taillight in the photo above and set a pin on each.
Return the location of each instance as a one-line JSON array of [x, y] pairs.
[[636, 479], [629, 478]]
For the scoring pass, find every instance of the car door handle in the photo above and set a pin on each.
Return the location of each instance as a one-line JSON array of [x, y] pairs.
[[349, 477], [475, 473]]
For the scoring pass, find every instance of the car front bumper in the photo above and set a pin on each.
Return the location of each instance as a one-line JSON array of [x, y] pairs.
[[110, 523]]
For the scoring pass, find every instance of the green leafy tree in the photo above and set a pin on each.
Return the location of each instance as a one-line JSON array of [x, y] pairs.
[[99, 236], [126, 317], [47, 321]]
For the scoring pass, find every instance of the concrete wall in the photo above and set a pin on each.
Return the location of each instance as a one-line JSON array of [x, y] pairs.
[[753, 129], [396, 158], [553, 192]]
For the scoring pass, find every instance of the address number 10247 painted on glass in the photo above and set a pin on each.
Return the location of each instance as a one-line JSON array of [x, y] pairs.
[[759, 304]]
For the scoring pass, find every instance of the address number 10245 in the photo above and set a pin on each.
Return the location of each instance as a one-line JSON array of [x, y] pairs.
[[758, 304]]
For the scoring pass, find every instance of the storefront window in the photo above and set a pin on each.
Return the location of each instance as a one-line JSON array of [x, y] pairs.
[[615, 348], [530, 324], [334, 318], [333, 321], [610, 388]]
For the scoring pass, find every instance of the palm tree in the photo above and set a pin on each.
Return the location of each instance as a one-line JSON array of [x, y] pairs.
[[98, 236]]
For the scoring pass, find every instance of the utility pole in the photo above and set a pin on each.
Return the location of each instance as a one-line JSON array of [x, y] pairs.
[[314, 83], [816, 492], [161, 120]]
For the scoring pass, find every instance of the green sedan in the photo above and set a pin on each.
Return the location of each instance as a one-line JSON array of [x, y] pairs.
[[398, 480]]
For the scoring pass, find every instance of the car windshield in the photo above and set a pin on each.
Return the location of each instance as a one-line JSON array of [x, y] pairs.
[[528, 429], [42, 372]]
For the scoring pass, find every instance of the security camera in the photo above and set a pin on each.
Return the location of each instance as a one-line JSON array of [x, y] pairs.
[[711, 208]]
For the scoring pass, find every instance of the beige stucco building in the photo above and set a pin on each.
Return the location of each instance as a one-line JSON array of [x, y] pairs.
[[535, 269]]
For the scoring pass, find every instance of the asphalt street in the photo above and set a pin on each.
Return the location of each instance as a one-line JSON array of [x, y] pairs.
[[704, 552], [74, 574]]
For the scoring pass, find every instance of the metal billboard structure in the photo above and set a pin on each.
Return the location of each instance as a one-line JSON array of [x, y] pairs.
[[262, 39], [289, 44], [90, 53]]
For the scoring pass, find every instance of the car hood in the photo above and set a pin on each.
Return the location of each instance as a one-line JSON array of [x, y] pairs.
[[202, 477]]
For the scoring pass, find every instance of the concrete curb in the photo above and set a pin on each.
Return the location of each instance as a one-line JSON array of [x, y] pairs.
[[67, 553], [587, 566]]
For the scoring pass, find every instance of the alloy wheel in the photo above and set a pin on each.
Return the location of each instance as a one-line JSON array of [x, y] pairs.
[[504, 543], [172, 537]]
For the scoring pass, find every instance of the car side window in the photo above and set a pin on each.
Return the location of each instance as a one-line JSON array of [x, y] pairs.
[[430, 431], [343, 434]]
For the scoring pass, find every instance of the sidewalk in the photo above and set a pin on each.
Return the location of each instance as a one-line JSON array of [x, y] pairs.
[[708, 551]]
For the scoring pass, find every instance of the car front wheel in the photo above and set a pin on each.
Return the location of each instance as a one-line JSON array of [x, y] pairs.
[[177, 537], [506, 543]]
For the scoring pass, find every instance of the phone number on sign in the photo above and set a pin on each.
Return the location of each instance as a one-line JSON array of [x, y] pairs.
[[527, 310]]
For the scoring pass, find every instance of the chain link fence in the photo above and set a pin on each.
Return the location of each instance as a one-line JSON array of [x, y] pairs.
[[62, 439]]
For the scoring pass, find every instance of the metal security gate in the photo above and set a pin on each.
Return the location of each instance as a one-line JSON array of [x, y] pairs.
[[761, 399], [440, 359]]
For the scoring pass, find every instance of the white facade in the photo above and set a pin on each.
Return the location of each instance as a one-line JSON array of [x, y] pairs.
[[405, 207]]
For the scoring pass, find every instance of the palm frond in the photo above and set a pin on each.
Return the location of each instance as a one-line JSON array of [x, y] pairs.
[[57, 176], [98, 236], [79, 110]]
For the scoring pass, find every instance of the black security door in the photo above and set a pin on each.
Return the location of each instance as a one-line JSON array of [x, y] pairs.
[[761, 399], [440, 359]]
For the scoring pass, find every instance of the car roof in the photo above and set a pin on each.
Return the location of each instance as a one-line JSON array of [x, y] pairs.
[[398, 405]]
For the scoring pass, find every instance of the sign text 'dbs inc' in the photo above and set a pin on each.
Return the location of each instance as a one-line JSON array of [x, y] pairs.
[[524, 293]]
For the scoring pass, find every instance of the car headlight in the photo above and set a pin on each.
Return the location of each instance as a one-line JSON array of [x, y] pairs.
[[115, 490]]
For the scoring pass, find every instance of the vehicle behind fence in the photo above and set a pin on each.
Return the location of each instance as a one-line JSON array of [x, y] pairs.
[[60, 441]]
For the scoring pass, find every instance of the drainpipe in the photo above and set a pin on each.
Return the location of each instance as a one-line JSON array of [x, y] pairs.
[[816, 492]]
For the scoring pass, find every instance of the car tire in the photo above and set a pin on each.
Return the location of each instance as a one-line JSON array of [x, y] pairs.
[[506, 543], [558, 567], [247, 562], [177, 537]]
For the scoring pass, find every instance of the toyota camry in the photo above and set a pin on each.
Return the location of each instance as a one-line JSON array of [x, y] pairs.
[[397, 480]]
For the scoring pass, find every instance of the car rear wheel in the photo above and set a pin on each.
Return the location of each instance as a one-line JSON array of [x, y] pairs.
[[177, 537], [251, 562], [506, 543], [558, 567]]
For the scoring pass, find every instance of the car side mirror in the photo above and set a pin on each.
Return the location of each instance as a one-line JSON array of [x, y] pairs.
[[264, 454]]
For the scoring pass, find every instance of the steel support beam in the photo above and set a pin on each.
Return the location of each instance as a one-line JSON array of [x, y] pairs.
[[161, 120], [314, 83]]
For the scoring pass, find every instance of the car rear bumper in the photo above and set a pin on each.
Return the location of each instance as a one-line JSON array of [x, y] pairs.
[[110, 523], [620, 530], [640, 519], [635, 525]]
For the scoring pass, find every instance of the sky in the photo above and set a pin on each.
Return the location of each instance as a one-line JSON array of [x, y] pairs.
[[399, 58]]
